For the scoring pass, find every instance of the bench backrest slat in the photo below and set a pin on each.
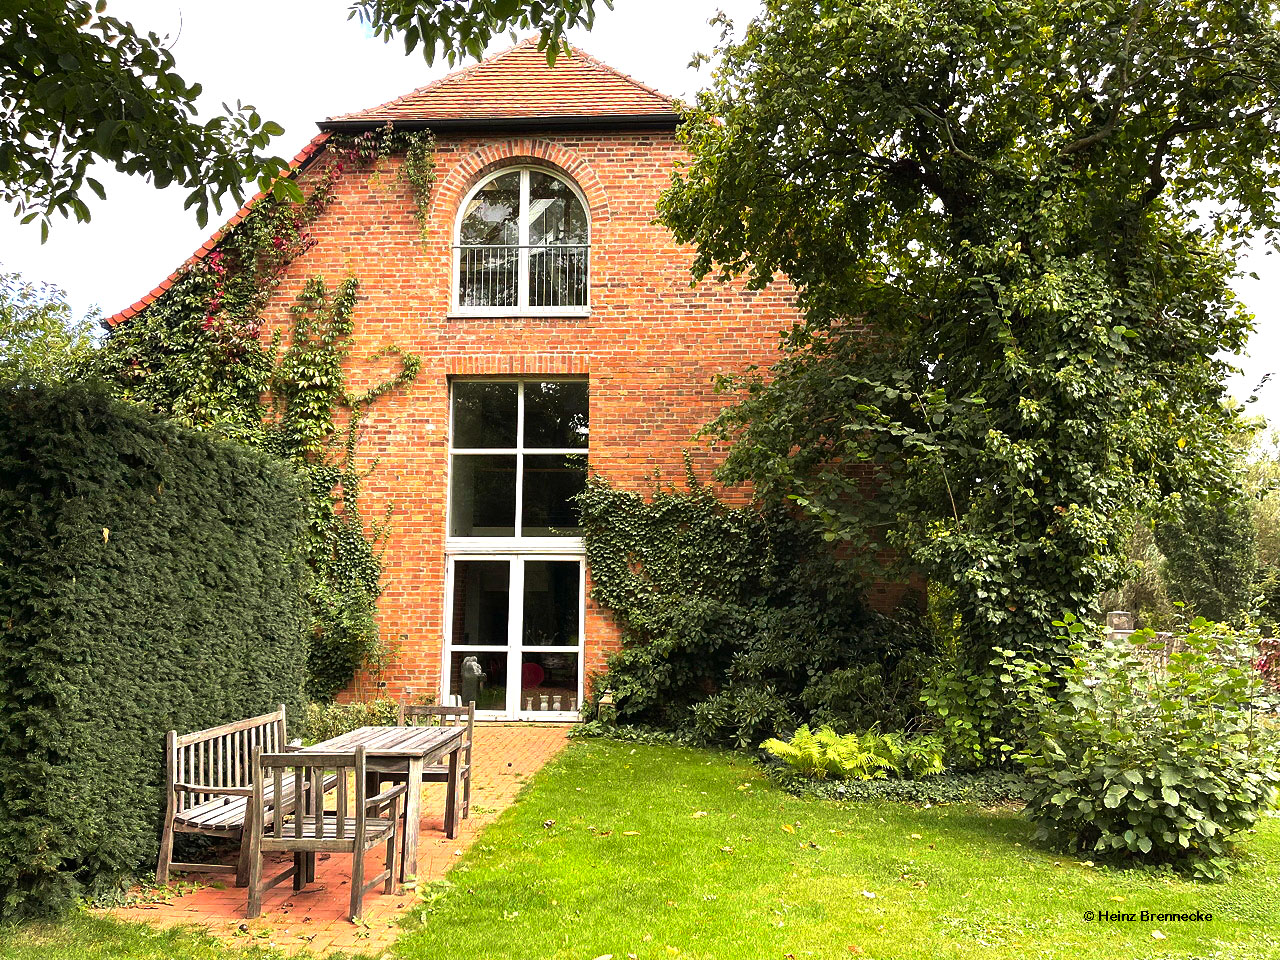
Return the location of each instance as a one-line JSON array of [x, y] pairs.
[[221, 756]]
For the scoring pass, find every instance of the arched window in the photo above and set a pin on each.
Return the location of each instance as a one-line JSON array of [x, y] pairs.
[[522, 245]]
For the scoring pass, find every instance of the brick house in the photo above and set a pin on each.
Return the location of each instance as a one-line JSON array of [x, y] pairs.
[[558, 327]]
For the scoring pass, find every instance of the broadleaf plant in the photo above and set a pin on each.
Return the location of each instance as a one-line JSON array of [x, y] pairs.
[[1154, 748]]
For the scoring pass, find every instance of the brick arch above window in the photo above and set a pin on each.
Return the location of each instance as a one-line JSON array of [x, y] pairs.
[[469, 171]]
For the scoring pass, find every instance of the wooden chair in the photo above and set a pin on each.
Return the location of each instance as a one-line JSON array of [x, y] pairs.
[[420, 715], [305, 828], [208, 786]]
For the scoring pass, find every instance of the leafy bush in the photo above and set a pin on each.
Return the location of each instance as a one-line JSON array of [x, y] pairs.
[[1159, 761], [737, 623], [328, 720], [871, 755], [977, 698], [148, 583], [985, 715]]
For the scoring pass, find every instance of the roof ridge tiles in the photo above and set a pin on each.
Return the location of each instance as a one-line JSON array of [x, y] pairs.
[[451, 77], [492, 90]]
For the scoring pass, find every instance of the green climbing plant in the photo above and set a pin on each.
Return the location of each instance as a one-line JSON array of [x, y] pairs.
[[200, 354], [737, 623]]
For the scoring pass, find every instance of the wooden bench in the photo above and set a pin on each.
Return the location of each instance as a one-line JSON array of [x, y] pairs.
[[209, 785]]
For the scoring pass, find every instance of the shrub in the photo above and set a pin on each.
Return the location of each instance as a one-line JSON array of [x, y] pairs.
[[1151, 755], [147, 584], [857, 756], [328, 720], [736, 622], [984, 715]]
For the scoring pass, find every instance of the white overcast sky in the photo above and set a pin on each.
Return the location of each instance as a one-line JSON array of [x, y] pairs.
[[299, 61]]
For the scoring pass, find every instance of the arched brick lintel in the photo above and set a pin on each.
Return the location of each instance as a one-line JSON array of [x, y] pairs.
[[464, 175]]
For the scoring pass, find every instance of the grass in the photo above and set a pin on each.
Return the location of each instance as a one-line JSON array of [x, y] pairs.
[[82, 935], [662, 852]]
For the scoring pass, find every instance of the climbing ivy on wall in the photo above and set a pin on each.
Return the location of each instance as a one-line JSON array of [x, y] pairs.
[[737, 623], [200, 355]]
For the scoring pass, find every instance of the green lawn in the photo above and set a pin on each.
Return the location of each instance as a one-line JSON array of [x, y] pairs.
[[661, 852]]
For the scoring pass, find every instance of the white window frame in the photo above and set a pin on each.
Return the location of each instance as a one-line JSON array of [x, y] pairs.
[[516, 550], [518, 542], [522, 308], [515, 648]]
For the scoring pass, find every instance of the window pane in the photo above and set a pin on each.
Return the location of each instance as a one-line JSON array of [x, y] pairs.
[[555, 215], [484, 414], [551, 601], [492, 215], [481, 599], [555, 414], [558, 276], [549, 681], [489, 260], [489, 689], [550, 483], [558, 238], [483, 496], [488, 276]]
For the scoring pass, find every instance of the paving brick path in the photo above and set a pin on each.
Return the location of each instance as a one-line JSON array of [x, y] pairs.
[[315, 919]]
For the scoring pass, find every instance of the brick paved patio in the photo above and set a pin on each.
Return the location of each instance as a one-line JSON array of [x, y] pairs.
[[315, 919]]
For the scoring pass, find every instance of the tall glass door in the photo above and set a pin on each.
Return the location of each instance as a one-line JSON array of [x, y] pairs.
[[514, 628]]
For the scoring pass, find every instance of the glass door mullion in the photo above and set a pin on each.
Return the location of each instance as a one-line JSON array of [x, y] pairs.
[[515, 626], [519, 528]]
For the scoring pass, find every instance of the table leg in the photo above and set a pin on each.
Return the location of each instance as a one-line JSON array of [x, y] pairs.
[[451, 798], [412, 817]]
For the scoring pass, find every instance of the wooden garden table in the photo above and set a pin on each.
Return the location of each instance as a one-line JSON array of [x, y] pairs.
[[403, 752]]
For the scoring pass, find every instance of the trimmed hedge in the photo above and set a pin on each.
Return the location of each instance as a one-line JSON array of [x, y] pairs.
[[147, 583]]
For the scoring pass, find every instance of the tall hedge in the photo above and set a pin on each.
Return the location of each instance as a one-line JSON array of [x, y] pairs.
[[147, 582]]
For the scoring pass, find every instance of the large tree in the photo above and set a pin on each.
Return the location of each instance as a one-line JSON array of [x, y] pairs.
[[1011, 226], [79, 87]]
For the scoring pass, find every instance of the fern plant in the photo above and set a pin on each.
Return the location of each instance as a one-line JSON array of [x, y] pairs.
[[870, 755], [805, 753]]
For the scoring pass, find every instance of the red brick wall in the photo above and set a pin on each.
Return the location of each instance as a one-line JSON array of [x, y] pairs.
[[650, 347]]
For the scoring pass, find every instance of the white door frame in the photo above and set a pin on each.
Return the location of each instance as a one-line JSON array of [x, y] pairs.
[[515, 648]]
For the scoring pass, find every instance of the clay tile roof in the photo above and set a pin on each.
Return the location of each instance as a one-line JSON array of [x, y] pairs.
[[296, 164], [518, 84]]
